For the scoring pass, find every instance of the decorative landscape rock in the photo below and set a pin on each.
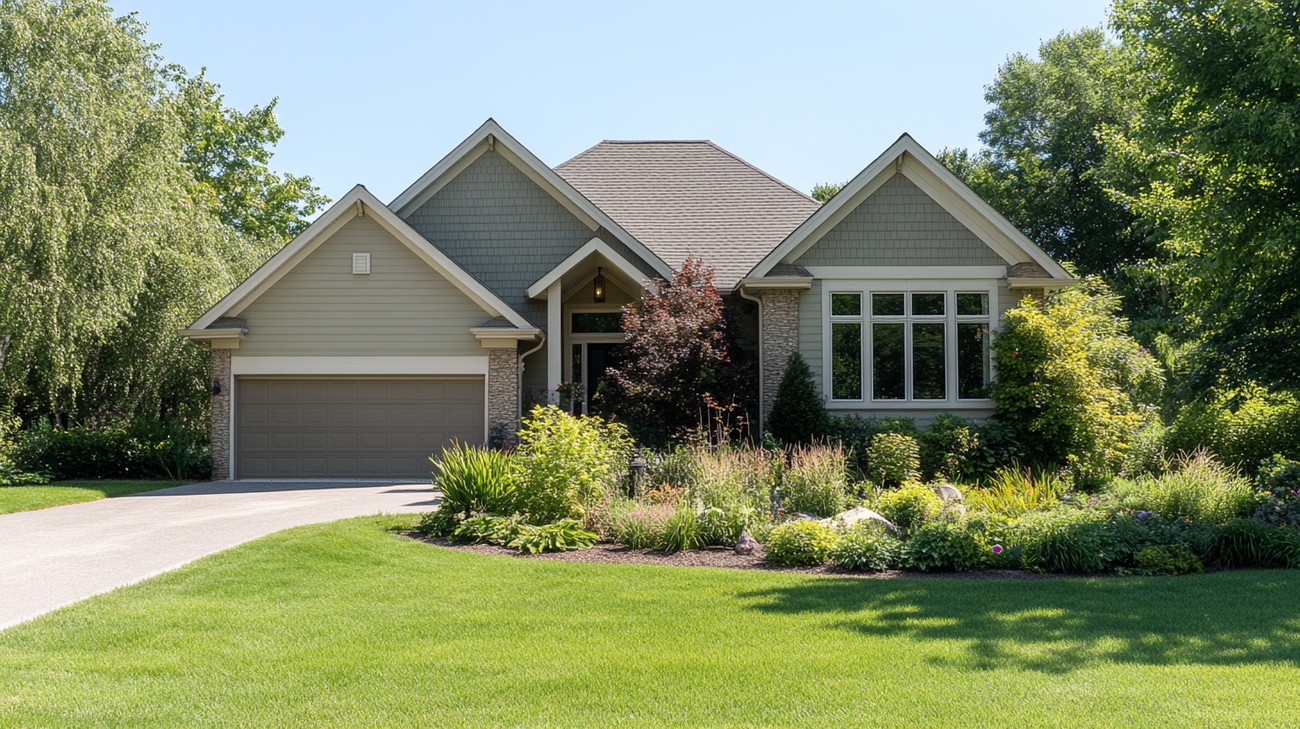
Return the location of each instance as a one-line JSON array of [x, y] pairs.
[[947, 492], [861, 513], [747, 544]]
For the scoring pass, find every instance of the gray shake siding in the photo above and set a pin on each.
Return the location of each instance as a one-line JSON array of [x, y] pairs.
[[899, 225], [403, 307], [503, 229]]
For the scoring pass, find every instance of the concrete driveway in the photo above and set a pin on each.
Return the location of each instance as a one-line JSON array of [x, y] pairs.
[[53, 557]]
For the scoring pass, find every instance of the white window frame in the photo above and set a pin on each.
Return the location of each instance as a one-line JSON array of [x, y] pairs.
[[583, 339], [865, 288]]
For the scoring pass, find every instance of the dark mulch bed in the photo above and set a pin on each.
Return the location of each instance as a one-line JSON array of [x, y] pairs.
[[723, 557]]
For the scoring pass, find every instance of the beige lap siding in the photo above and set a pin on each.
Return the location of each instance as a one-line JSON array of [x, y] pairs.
[[401, 308]]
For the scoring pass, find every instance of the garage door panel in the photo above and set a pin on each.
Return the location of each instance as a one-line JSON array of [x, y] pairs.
[[282, 440], [367, 428]]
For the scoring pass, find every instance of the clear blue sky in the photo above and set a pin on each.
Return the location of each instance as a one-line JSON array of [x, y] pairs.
[[377, 92]]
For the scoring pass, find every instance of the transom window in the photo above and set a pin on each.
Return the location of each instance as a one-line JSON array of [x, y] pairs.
[[909, 345]]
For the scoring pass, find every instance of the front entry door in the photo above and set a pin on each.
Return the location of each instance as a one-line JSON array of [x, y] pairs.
[[600, 357]]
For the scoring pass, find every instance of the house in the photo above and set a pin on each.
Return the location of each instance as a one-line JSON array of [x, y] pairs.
[[384, 331]]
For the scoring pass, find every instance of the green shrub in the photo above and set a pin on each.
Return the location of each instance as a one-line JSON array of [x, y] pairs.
[[487, 529], [10, 473], [1168, 559], [1244, 543], [801, 544], [1072, 382], [1278, 487], [639, 526], [816, 481], [1241, 428], [681, 530], [1198, 489], [865, 548], [143, 450], [948, 447], [798, 416], [893, 459], [475, 480], [561, 536], [946, 545], [1014, 491], [907, 507], [1066, 541], [566, 463], [722, 526], [1147, 455], [439, 523]]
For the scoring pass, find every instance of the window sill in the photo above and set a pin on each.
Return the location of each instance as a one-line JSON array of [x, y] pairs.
[[910, 405]]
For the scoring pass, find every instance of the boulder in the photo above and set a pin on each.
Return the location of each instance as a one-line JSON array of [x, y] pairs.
[[859, 514], [747, 544], [947, 492]]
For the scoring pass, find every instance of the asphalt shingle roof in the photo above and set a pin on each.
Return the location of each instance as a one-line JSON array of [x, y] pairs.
[[684, 198]]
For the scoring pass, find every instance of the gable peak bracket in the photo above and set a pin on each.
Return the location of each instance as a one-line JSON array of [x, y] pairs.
[[492, 142]]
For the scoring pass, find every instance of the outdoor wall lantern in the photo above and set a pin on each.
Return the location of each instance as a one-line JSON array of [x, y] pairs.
[[216, 386], [598, 287]]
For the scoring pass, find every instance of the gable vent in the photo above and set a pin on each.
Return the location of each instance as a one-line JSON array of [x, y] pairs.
[[361, 263]]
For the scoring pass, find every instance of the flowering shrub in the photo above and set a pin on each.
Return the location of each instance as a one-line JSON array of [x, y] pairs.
[[1279, 492], [639, 526]]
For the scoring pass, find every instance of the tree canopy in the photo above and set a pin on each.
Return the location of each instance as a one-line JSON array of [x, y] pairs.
[[1168, 162], [1217, 134], [130, 200]]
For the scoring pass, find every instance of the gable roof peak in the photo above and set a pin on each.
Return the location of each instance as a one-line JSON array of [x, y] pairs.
[[942, 185]]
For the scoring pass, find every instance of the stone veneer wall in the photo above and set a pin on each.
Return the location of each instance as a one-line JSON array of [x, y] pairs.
[[219, 430], [503, 394], [779, 337]]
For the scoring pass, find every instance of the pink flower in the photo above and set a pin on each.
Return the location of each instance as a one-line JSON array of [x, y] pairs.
[[997, 549]]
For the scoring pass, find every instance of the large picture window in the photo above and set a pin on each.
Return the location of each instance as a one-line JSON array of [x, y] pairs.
[[905, 346]]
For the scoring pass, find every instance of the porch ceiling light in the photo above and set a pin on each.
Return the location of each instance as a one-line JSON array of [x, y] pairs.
[[598, 286]]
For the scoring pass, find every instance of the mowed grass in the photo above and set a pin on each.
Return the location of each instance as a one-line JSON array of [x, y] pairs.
[[346, 624], [60, 493]]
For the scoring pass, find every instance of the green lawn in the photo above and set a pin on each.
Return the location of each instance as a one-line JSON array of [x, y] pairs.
[[27, 498], [346, 624]]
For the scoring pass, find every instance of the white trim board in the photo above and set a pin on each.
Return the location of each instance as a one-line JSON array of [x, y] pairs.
[[358, 201], [876, 273], [353, 366], [539, 289], [491, 136], [910, 159]]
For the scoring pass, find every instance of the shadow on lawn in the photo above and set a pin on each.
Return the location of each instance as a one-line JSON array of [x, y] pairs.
[[1055, 626]]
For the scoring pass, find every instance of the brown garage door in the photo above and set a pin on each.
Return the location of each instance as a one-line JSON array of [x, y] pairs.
[[358, 428]]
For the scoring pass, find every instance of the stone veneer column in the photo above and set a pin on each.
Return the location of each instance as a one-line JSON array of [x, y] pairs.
[[503, 394], [219, 429], [779, 334]]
